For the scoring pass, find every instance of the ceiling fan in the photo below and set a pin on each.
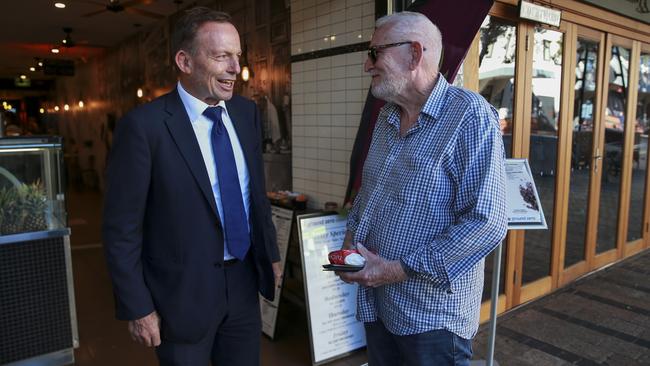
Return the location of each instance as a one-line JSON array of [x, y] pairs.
[[67, 41], [117, 6]]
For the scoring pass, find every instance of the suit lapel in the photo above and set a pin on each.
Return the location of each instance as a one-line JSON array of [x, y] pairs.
[[184, 137]]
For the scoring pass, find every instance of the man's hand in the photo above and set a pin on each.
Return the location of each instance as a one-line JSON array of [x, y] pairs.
[[277, 272], [146, 331], [376, 272]]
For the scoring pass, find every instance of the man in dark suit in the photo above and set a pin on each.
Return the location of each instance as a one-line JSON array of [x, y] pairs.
[[187, 231]]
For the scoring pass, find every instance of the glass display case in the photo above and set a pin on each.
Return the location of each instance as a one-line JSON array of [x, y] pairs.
[[31, 185], [38, 324]]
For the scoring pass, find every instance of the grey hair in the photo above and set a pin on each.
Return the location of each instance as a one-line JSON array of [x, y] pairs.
[[412, 26]]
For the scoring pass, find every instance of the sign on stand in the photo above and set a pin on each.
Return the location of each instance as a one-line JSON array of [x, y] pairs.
[[282, 219], [524, 206], [331, 303]]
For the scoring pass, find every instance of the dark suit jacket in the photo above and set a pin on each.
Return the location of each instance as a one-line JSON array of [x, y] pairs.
[[162, 235]]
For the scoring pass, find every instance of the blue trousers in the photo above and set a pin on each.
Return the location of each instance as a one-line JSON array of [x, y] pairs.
[[435, 348], [234, 339]]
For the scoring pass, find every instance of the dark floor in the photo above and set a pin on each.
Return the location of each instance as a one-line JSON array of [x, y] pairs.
[[602, 319]]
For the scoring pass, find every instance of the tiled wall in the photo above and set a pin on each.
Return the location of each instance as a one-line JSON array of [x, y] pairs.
[[328, 93]]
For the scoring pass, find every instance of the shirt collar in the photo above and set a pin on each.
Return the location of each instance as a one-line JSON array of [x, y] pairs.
[[194, 106], [436, 101]]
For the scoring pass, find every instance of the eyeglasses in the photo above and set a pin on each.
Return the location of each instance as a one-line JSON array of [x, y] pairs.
[[372, 51]]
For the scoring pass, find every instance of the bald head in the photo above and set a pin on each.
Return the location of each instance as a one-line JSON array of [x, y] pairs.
[[412, 26]]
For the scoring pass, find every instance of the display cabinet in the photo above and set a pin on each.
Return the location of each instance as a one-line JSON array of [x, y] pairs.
[[37, 308]]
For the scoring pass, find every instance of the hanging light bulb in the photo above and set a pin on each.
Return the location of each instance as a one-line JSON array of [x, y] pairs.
[[56, 108], [139, 93], [245, 73], [81, 104], [66, 107]]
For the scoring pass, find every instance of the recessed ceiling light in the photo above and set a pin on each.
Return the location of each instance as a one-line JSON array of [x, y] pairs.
[[32, 68], [55, 50], [59, 5]]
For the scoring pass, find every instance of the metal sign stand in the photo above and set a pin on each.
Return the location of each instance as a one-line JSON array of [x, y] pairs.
[[496, 272]]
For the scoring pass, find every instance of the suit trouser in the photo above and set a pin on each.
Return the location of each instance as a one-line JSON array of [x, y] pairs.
[[234, 338]]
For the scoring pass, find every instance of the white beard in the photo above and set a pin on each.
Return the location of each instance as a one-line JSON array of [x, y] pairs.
[[390, 87]]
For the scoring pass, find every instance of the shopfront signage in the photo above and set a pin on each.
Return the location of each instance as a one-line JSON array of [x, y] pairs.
[[331, 303], [539, 13]]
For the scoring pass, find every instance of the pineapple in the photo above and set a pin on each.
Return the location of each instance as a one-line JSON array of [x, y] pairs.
[[33, 204], [11, 214], [22, 208]]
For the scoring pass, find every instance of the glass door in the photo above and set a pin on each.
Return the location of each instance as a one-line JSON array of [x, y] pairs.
[[637, 222], [542, 123], [584, 174], [612, 147]]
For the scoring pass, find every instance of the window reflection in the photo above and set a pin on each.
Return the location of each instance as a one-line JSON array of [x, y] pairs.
[[612, 157], [581, 150], [640, 152], [496, 84], [497, 71], [545, 112]]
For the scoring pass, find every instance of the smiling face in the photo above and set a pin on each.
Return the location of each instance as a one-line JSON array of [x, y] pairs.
[[389, 73], [209, 72]]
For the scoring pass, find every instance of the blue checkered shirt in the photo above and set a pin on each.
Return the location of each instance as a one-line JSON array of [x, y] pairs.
[[434, 199]]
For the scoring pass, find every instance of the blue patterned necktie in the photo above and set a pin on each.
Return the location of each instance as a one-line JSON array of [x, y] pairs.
[[235, 222]]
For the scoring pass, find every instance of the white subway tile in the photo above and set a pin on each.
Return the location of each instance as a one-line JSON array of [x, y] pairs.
[[325, 132], [352, 12], [338, 132], [338, 96], [323, 7], [339, 84], [324, 177], [324, 120], [325, 166], [338, 119], [324, 63], [324, 74], [337, 4], [325, 154], [324, 108], [339, 143], [353, 24]]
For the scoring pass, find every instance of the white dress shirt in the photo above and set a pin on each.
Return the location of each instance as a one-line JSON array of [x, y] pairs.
[[202, 126]]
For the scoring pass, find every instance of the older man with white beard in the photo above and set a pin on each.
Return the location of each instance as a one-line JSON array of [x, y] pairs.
[[431, 205]]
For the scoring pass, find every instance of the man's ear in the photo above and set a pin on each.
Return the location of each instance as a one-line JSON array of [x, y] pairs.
[[183, 62], [416, 54]]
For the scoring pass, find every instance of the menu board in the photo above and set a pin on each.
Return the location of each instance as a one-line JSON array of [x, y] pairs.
[[524, 206], [331, 303], [282, 219]]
